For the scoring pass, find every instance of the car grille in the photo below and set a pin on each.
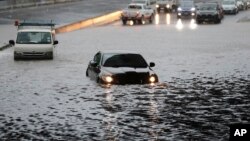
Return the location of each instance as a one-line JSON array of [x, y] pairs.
[[206, 16], [162, 5], [33, 53], [132, 78]]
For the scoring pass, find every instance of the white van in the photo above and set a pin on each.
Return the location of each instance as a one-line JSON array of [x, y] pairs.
[[34, 40]]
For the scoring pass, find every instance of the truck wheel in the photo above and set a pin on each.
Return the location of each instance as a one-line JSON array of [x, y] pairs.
[[218, 21], [87, 74], [16, 58], [134, 22], [198, 22], [50, 56], [124, 22], [141, 20]]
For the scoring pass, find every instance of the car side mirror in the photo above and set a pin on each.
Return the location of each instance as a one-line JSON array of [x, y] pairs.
[[55, 42], [12, 42], [151, 64], [93, 64]]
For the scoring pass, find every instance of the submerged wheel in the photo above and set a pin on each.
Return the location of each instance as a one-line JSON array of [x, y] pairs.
[[124, 22], [141, 20], [16, 57], [50, 56]]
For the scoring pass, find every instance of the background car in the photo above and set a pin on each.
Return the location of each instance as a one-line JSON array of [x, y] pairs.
[[229, 7], [138, 13], [166, 5], [208, 12], [186, 9], [120, 67], [240, 4]]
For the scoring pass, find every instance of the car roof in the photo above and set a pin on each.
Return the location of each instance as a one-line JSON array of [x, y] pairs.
[[34, 30], [119, 52]]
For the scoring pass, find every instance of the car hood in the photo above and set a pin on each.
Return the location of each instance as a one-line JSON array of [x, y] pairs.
[[33, 47], [120, 70], [228, 6]]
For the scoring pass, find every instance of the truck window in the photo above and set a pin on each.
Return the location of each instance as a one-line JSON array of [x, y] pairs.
[[34, 38]]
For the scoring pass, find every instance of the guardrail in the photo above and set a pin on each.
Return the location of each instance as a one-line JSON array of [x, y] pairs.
[[100, 20]]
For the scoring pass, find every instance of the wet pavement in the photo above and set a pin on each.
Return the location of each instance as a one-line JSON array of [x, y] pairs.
[[195, 109], [63, 13], [204, 85]]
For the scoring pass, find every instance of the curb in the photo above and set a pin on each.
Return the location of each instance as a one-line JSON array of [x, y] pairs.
[[5, 47], [99, 20]]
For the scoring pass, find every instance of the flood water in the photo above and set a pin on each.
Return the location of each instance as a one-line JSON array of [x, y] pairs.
[[184, 109]]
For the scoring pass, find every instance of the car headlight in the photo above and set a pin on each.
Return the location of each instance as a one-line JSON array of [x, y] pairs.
[[107, 78], [193, 9], [179, 9], [152, 79], [168, 6], [156, 5]]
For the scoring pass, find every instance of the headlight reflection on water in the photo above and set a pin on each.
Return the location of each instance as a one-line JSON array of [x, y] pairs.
[[157, 19], [179, 24], [168, 19], [193, 24]]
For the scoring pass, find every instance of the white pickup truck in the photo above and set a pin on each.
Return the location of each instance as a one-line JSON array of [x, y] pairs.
[[138, 13]]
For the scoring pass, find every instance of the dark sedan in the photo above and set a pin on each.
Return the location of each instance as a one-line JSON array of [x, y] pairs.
[[209, 12], [186, 9], [120, 67]]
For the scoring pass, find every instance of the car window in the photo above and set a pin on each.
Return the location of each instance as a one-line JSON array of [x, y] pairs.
[[34, 38], [124, 60], [208, 7], [228, 2], [135, 7]]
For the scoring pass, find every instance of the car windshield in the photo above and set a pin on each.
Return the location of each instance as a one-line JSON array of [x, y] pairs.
[[124, 60], [208, 7], [187, 4], [134, 7], [228, 2], [33, 38]]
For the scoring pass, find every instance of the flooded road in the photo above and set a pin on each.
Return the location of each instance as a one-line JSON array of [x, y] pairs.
[[204, 85], [194, 109]]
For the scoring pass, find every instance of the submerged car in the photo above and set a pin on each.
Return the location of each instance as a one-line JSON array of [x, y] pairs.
[[121, 67], [208, 12], [34, 40]]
